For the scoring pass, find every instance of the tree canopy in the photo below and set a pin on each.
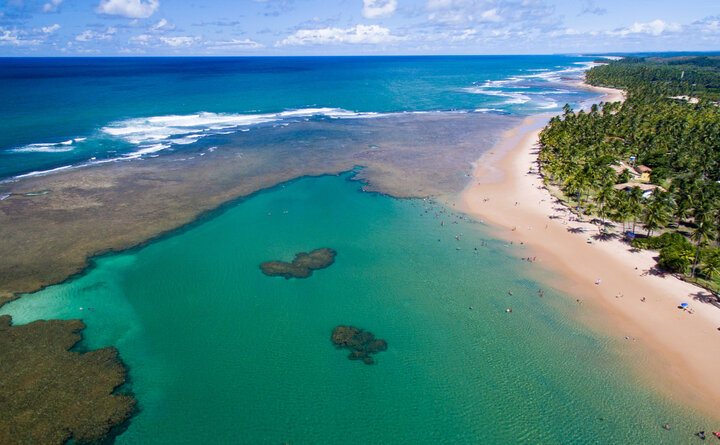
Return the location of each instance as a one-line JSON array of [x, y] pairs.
[[669, 125]]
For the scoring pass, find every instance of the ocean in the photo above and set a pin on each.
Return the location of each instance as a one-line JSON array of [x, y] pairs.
[[61, 112], [218, 352]]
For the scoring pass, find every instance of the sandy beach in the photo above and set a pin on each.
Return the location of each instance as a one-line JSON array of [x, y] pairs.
[[676, 349]]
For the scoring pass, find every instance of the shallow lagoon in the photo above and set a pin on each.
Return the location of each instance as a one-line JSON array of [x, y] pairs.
[[220, 353]]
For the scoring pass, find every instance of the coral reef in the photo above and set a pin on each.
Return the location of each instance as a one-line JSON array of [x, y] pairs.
[[302, 266], [360, 343], [49, 394]]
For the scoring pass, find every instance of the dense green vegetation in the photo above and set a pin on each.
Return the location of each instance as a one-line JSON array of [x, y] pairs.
[[678, 139], [657, 78]]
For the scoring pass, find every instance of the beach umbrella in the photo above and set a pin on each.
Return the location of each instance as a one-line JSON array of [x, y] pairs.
[[684, 305]]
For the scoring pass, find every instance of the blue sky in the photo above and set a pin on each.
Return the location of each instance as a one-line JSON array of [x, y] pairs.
[[327, 27]]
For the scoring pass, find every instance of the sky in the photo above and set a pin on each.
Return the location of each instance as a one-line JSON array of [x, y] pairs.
[[354, 27]]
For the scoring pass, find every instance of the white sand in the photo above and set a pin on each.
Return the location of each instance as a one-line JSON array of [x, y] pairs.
[[684, 348]]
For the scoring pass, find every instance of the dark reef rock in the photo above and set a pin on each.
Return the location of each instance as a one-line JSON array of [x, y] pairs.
[[49, 394], [359, 342], [375, 346], [302, 266]]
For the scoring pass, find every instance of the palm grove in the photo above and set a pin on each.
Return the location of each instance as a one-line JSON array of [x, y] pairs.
[[669, 125]]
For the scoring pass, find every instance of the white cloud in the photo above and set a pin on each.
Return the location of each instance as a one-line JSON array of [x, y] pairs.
[[589, 7], [234, 44], [86, 36], [377, 9], [153, 40], [15, 38], [438, 4], [177, 42], [463, 11], [708, 25], [162, 25], [142, 39], [491, 15], [89, 35], [134, 9], [468, 34], [367, 34], [654, 28], [52, 6], [514, 13], [50, 29]]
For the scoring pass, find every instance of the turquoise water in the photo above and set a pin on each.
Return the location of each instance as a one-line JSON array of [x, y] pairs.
[[60, 112], [220, 353]]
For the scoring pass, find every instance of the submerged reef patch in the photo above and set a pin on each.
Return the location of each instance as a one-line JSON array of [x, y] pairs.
[[360, 343], [49, 394], [302, 266]]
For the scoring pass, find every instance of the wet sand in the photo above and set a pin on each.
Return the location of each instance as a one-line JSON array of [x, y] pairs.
[[49, 236], [674, 351]]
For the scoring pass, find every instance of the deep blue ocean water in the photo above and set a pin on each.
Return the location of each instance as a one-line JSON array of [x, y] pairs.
[[67, 111]]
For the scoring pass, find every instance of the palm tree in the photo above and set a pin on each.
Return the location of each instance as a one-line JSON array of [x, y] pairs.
[[712, 266], [655, 215], [635, 198], [687, 255], [716, 217], [576, 183], [621, 207], [604, 197], [702, 233]]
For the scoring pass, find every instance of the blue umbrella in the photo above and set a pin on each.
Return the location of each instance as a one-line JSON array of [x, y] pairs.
[[684, 305]]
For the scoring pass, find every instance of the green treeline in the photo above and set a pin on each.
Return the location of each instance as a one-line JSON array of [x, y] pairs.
[[658, 78], [678, 139]]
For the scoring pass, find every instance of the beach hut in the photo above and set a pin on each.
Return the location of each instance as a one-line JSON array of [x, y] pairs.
[[644, 173], [647, 189], [619, 169]]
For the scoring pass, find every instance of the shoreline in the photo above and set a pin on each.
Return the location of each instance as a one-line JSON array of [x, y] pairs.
[[677, 349], [609, 94]]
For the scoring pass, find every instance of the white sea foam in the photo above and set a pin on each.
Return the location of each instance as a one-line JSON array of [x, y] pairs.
[[53, 147], [191, 139], [43, 172], [513, 97], [156, 133], [151, 135], [146, 150], [187, 129], [563, 72], [529, 89], [90, 162], [548, 105]]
